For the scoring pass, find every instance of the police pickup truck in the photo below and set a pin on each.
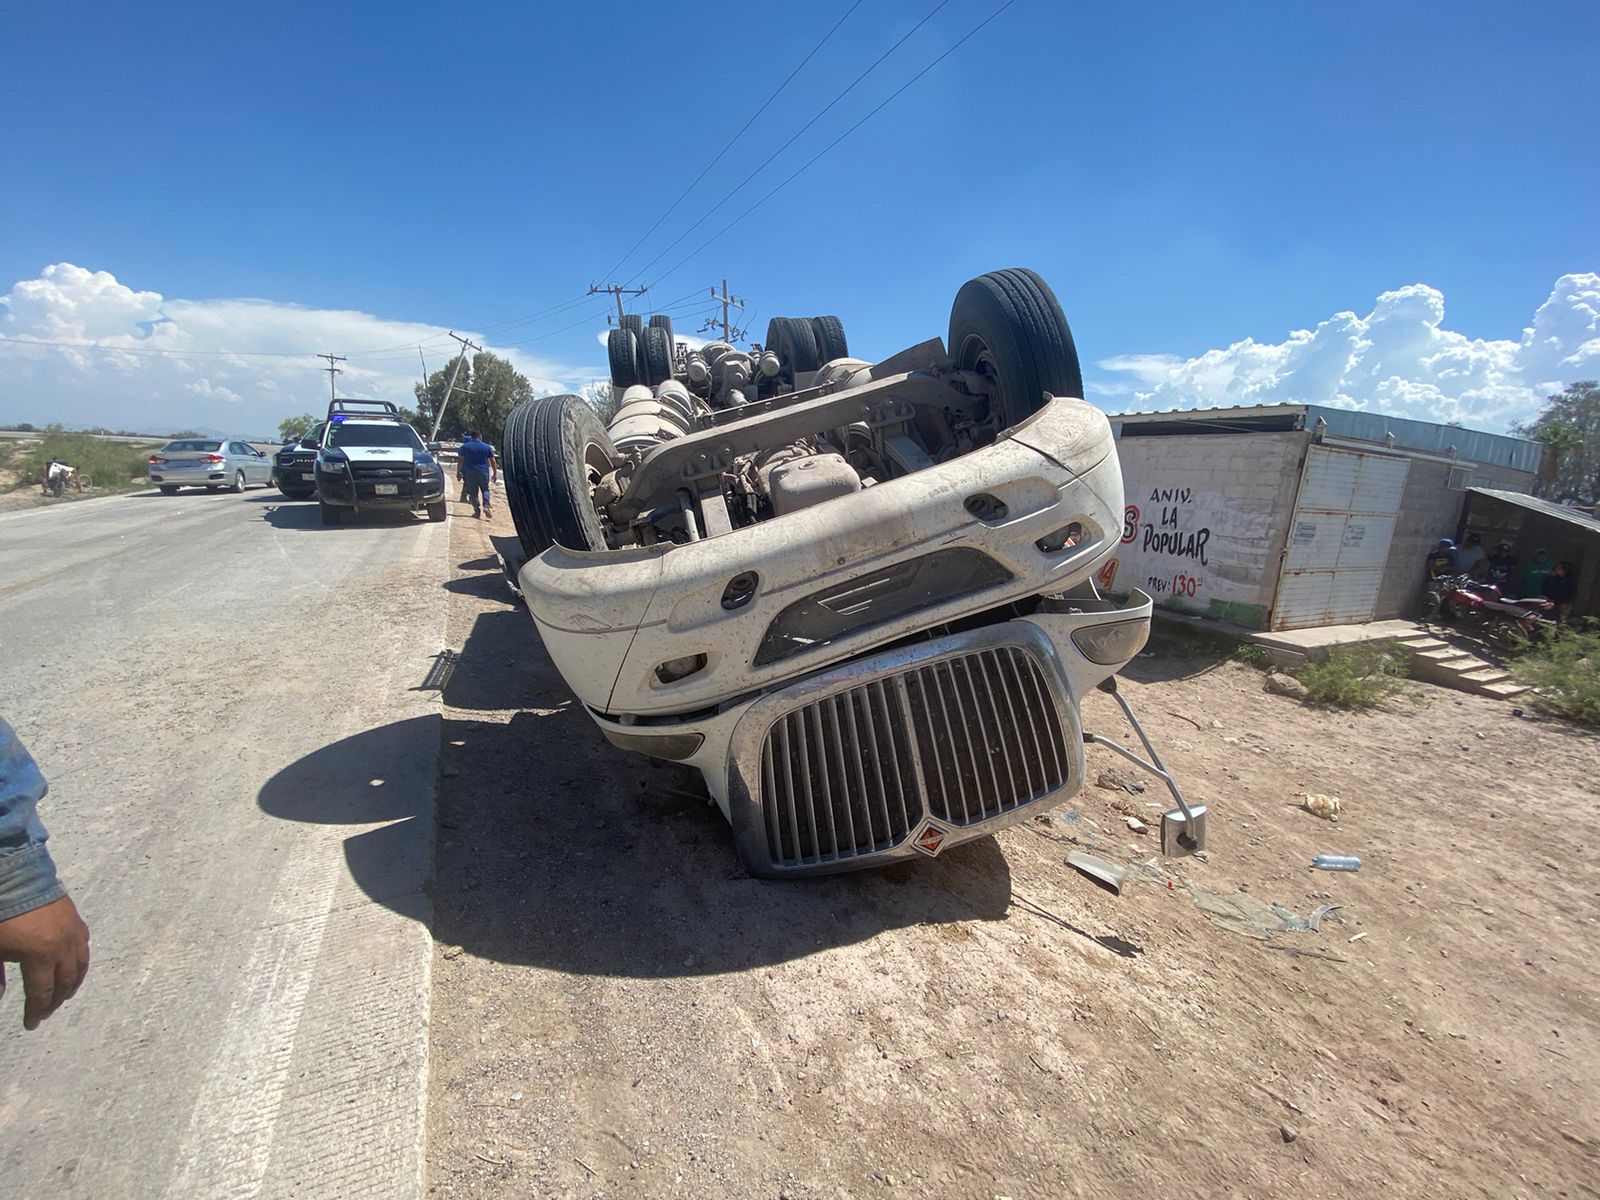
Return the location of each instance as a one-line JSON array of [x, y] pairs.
[[369, 458]]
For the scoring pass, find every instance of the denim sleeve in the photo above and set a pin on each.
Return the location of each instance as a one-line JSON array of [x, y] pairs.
[[27, 876]]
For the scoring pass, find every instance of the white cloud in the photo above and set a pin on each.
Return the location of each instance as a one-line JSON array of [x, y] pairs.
[[1398, 359], [150, 362]]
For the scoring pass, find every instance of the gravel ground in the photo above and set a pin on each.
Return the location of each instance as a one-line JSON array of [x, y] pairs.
[[619, 1011]]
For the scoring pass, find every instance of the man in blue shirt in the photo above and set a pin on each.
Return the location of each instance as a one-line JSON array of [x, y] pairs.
[[40, 929], [477, 470]]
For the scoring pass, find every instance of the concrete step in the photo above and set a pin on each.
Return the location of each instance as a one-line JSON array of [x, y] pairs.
[[1416, 635], [1447, 656], [1450, 666], [1427, 646], [1506, 691]]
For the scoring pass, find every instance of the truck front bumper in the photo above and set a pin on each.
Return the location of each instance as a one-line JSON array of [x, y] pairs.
[[665, 629], [907, 752], [407, 493]]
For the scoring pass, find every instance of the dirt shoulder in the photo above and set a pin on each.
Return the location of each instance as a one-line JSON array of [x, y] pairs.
[[618, 1010]]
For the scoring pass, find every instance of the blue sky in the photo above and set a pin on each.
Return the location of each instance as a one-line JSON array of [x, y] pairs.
[[1185, 177]]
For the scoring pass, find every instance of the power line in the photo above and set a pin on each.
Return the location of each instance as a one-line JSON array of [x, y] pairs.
[[588, 319], [729, 145], [333, 372], [727, 302], [807, 164], [876, 63], [461, 358], [617, 292], [482, 330], [367, 357], [102, 347], [680, 301]]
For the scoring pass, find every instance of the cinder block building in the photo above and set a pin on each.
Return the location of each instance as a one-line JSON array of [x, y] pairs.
[[1288, 516]]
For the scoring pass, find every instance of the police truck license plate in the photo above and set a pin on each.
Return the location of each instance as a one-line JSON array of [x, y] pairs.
[[308, 474], [385, 489]]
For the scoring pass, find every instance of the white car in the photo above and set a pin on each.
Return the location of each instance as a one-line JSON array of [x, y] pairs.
[[857, 597], [210, 463]]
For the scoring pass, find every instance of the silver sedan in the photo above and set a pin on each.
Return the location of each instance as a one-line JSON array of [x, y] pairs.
[[208, 463]]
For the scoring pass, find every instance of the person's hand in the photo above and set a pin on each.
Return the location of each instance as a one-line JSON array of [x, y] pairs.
[[51, 945]]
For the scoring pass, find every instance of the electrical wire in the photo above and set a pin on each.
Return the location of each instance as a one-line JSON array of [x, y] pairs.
[[729, 146], [876, 63], [151, 350], [481, 331], [807, 164], [588, 319], [684, 299]]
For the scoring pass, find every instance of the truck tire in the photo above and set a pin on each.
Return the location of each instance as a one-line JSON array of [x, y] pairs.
[[632, 322], [331, 514], [663, 322], [436, 512], [655, 356], [555, 451], [829, 335], [169, 489], [1009, 326], [622, 348], [790, 338]]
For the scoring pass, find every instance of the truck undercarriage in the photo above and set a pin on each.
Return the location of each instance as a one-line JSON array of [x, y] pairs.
[[858, 597]]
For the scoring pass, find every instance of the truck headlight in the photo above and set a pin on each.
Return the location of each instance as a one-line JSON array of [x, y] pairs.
[[1112, 643]]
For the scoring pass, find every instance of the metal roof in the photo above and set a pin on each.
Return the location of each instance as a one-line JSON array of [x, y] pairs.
[[1470, 445], [1573, 516]]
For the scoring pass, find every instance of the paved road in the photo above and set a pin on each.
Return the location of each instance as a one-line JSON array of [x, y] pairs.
[[187, 671]]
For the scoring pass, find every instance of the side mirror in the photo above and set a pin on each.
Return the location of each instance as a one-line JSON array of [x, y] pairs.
[[433, 447], [308, 443]]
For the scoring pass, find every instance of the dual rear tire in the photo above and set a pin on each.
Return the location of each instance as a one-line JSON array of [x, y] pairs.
[[640, 353]]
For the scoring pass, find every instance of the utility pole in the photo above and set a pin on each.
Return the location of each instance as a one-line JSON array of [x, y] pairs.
[[332, 371], [618, 291], [727, 301], [461, 357]]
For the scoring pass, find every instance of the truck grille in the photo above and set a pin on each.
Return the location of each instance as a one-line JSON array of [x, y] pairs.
[[965, 739], [380, 472]]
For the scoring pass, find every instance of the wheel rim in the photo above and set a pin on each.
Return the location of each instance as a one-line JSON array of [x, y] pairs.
[[975, 356]]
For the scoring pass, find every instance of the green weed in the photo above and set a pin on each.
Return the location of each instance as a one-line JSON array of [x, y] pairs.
[[1251, 655], [1564, 671], [1355, 676], [113, 466]]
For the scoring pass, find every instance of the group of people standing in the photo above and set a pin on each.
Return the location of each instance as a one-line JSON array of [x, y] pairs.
[[1556, 581]]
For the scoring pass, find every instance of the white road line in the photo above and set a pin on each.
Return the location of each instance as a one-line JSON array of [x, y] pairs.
[[229, 1141]]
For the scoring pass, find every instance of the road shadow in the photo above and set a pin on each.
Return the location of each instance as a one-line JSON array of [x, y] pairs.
[[194, 491], [555, 849], [299, 514], [274, 496], [382, 777], [485, 586]]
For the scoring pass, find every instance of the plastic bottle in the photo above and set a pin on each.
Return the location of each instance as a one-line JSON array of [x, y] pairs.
[[1336, 862]]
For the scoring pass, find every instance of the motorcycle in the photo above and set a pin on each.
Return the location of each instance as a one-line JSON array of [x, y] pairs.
[[59, 476], [1505, 620]]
